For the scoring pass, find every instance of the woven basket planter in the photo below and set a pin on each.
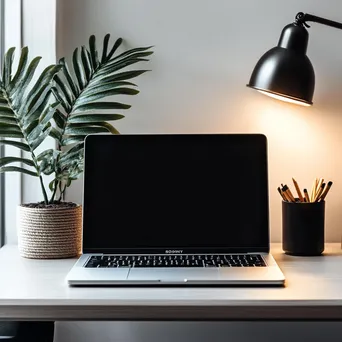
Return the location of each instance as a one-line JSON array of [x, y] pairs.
[[49, 233]]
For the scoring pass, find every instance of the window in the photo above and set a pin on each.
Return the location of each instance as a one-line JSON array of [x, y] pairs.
[[2, 149], [10, 192]]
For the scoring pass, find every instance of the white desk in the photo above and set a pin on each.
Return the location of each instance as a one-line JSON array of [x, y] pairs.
[[36, 290]]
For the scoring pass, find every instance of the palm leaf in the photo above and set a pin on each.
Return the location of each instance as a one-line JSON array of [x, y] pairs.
[[18, 169], [9, 160], [85, 91], [25, 111], [17, 144], [80, 118]]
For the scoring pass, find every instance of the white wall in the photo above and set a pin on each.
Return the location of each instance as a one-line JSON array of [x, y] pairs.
[[204, 54]]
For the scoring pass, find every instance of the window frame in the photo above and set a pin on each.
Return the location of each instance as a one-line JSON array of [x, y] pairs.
[[2, 148]]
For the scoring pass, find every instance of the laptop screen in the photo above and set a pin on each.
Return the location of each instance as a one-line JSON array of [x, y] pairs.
[[195, 192]]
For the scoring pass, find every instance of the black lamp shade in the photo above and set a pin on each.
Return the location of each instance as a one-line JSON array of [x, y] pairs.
[[285, 71]]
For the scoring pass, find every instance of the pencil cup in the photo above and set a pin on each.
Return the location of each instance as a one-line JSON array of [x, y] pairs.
[[303, 228]]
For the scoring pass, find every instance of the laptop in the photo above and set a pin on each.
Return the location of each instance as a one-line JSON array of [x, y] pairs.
[[175, 209]]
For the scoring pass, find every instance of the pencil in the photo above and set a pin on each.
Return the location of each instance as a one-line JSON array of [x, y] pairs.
[[313, 190], [319, 192], [288, 192], [319, 184], [287, 197], [306, 195], [281, 194], [325, 192], [301, 198]]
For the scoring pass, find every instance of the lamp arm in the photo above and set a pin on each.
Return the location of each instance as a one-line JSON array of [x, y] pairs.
[[302, 18]]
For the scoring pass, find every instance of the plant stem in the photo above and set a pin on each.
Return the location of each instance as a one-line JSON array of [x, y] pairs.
[[46, 201], [60, 191], [54, 192]]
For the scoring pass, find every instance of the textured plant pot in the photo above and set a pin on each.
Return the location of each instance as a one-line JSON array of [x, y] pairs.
[[49, 233]]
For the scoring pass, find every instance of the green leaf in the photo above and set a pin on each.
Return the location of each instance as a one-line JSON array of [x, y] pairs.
[[120, 63], [72, 140], [6, 111], [8, 120], [90, 90], [108, 126], [26, 79], [93, 52], [32, 130], [54, 133], [84, 130], [101, 94], [61, 99], [60, 119], [18, 169], [68, 77], [21, 68], [78, 68], [132, 51], [88, 69], [74, 149], [101, 105], [8, 160], [33, 115], [70, 157], [40, 139], [64, 89], [41, 87], [111, 68], [17, 144], [37, 131], [52, 185], [10, 127], [122, 76], [7, 66], [114, 48], [86, 118], [48, 113], [6, 133], [105, 48], [44, 154]]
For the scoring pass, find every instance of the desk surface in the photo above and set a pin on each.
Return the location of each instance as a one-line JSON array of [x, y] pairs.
[[36, 290]]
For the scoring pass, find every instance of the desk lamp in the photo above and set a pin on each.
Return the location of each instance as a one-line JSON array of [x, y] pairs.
[[285, 72]]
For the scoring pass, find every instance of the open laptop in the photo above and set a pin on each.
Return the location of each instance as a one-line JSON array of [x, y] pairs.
[[176, 209]]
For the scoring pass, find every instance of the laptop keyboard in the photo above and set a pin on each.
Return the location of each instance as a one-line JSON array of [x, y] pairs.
[[214, 260]]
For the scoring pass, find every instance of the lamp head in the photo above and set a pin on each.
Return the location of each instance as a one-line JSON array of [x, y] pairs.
[[285, 72]]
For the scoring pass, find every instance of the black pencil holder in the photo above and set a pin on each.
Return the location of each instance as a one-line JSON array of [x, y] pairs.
[[303, 228]]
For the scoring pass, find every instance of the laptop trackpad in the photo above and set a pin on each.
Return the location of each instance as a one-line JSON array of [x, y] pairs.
[[173, 274]]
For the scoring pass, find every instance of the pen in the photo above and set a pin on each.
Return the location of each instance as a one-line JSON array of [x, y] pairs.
[[306, 195], [281, 194], [301, 198], [326, 190]]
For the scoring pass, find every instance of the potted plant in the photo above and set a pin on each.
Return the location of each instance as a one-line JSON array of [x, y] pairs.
[[65, 103]]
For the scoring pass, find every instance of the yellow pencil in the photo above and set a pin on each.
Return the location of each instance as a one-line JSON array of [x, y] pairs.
[[301, 198], [319, 192], [313, 190]]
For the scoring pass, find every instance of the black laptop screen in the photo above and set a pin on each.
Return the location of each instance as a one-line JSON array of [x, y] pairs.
[[175, 191]]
